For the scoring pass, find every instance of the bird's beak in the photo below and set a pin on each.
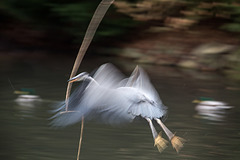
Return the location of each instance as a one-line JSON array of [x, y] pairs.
[[79, 77], [74, 79]]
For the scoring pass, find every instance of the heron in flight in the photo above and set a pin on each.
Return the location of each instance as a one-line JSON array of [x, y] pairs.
[[109, 97]]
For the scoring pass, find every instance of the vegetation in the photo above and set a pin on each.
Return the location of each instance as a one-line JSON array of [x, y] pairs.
[[185, 12], [73, 16], [174, 28]]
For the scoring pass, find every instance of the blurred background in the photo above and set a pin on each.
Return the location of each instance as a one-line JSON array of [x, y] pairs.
[[190, 49]]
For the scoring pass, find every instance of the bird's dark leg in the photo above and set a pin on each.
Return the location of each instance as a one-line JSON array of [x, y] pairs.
[[177, 142], [160, 142]]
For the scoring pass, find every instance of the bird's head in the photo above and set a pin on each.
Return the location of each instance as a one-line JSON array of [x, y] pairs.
[[80, 77]]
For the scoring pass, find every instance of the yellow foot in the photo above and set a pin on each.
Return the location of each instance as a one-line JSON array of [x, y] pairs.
[[177, 143], [160, 142]]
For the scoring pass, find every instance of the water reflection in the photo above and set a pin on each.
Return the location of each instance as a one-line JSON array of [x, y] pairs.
[[212, 110], [26, 133]]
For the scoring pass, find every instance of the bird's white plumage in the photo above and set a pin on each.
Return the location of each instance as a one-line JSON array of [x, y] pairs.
[[112, 98]]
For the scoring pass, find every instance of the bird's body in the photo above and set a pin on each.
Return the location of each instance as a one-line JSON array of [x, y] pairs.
[[111, 98]]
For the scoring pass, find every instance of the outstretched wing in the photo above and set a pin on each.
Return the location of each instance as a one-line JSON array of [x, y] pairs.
[[108, 76], [90, 98], [112, 100], [102, 104], [65, 117], [141, 82]]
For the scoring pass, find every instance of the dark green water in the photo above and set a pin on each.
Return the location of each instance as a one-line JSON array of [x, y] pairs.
[[26, 134]]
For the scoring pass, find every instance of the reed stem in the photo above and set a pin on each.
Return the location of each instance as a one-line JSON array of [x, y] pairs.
[[80, 139], [92, 27]]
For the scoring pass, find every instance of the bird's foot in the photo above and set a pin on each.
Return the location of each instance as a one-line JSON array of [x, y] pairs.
[[160, 142], [177, 143]]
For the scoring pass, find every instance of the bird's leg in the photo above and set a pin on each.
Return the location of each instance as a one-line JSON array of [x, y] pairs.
[[177, 142], [160, 142]]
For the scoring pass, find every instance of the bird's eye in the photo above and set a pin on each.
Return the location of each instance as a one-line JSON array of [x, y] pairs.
[[152, 102]]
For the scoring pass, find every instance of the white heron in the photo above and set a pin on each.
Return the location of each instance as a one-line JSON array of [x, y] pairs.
[[111, 98]]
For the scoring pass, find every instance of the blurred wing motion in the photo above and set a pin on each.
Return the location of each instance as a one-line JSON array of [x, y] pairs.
[[108, 76], [140, 81], [111, 98]]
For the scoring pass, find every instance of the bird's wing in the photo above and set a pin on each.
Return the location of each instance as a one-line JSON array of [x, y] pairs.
[[124, 103], [141, 82], [111, 101], [89, 98], [106, 105], [94, 102], [65, 117], [108, 76]]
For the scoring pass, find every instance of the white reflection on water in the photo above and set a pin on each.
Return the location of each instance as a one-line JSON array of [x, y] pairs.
[[27, 100], [212, 110]]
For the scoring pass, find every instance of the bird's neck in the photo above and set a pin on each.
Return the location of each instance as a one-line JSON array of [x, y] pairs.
[[92, 80]]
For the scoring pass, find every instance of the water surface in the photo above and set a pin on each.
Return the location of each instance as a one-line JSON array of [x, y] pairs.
[[26, 133]]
